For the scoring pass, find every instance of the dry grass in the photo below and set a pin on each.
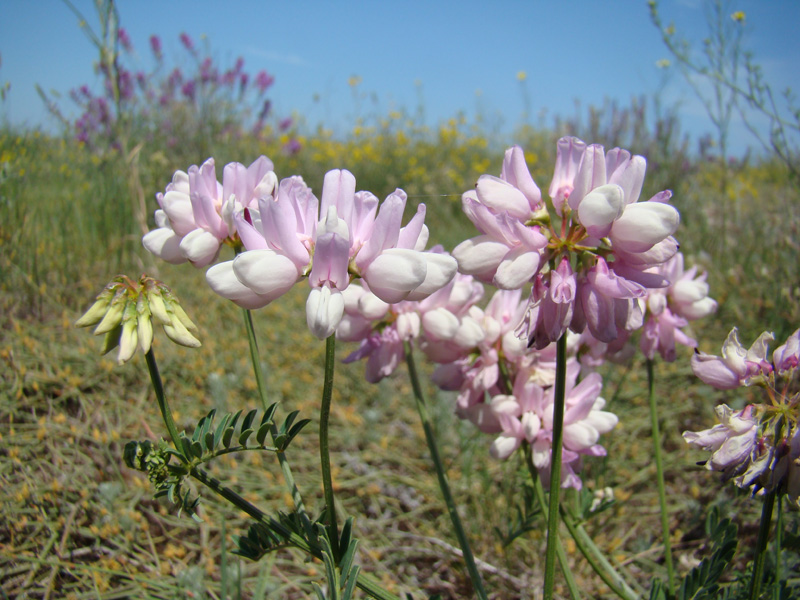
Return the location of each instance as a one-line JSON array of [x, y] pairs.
[[76, 523]]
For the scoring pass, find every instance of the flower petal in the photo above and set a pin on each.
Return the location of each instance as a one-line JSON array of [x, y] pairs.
[[395, 273], [265, 272]]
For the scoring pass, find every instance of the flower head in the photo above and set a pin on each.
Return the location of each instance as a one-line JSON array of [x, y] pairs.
[[759, 446], [291, 235], [590, 273], [124, 311], [197, 212]]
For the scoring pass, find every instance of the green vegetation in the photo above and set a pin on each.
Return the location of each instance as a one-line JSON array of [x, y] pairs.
[[77, 523]]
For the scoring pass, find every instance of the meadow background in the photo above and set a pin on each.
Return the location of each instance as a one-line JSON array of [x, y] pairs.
[[76, 523]]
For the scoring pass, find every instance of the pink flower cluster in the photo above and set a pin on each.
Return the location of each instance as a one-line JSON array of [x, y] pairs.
[[670, 309], [593, 270], [503, 387], [590, 278], [197, 211], [759, 446], [591, 275], [288, 234]]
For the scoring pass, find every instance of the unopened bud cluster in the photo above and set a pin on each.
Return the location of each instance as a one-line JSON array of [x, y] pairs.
[[124, 312]]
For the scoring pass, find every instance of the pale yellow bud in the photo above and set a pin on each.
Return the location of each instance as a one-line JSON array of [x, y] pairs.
[[128, 341], [144, 324], [157, 307], [113, 316], [178, 333], [98, 310]]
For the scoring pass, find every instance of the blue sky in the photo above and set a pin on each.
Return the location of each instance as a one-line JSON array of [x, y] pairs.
[[446, 55]]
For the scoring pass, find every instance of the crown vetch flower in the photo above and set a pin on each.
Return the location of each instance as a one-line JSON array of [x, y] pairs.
[[670, 309], [737, 365], [345, 235], [527, 415], [592, 271], [759, 446], [197, 212]]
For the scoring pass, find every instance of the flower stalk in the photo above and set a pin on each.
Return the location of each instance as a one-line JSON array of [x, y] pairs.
[[596, 559], [262, 393], [444, 485], [761, 545], [324, 450], [555, 471], [662, 493], [540, 496], [161, 398]]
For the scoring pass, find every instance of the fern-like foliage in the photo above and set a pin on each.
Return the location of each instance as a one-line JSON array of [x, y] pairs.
[[702, 582], [265, 537], [342, 575], [208, 442]]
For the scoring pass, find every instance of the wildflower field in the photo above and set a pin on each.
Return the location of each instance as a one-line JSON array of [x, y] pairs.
[[77, 522]]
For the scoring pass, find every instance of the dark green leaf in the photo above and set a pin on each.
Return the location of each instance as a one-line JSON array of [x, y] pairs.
[[197, 449], [268, 414], [296, 429], [289, 420], [227, 437], [235, 418], [248, 419], [262, 433], [187, 447], [244, 435], [223, 424]]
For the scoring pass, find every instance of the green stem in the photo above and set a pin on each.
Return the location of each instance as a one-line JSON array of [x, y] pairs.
[[273, 430], [778, 544], [555, 467], [444, 485], [662, 492], [562, 556], [163, 405], [761, 545], [324, 450], [596, 559], [366, 583]]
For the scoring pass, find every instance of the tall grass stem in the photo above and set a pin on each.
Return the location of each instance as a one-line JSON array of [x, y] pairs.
[[574, 592], [324, 450], [444, 485], [555, 468], [662, 492], [596, 559], [761, 545], [161, 397], [258, 371]]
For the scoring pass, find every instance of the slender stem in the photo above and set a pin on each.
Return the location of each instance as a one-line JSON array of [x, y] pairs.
[[562, 556], [444, 485], [254, 356], [262, 394], [596, 559], [761, 545], [662, 492], [365, 582], [555, 467], [324, 450], [778, 543], [163, 405]]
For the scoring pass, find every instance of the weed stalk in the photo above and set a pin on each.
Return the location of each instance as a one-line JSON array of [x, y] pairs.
[[662, 493], [444, 485]]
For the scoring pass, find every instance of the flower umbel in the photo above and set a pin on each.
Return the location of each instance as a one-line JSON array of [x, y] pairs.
[[759, 446], [124, 311]]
